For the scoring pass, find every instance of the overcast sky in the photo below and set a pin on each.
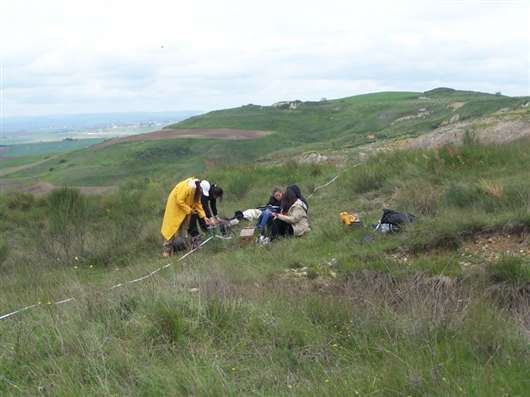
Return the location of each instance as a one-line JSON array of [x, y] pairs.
[[78, 56]]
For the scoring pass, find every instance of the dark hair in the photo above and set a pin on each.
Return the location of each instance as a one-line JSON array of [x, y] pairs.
[[289, 198], [296, 190], [198, 191], [217, 192]]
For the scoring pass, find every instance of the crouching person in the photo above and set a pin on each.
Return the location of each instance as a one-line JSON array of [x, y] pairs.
[[294, 220], [265, 218], [209, 196], [183, 201]]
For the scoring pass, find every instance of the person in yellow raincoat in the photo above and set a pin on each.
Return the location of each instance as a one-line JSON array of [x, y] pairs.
[[183, 201]]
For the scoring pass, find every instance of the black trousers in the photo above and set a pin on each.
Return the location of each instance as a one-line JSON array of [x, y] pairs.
[[193, 229], [280, 228]]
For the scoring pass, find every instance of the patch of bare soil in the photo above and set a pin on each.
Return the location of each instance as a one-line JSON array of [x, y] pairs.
[[41, 188], [489, 130], [196, 133], [491, 247], [456, 105]]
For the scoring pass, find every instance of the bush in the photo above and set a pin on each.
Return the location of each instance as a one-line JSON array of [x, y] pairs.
[[20, 201], [510, 269], [420, 199], [484, 195], [368, 178], [461, 195], [168, 323], [67, 224], [240, 184]]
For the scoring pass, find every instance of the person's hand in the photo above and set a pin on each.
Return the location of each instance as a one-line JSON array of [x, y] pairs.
[[214, 221], [275, 215], [208, 221]]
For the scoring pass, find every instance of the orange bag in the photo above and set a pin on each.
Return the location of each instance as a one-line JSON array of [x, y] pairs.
[[349, 219]]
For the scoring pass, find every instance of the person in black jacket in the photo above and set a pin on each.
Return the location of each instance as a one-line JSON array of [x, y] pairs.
[[274, 205], [210, 194]]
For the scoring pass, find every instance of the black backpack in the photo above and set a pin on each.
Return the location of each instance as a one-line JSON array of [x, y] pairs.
[[396, 219]]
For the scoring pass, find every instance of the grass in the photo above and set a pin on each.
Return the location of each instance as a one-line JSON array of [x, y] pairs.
[[47, 148], [341, 311]]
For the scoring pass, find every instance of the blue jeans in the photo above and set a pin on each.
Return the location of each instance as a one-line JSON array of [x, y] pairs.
[[264, 219]]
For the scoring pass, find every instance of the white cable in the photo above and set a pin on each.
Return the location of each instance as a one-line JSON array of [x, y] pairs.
[[136, 280], [323, 186], [67, 300]]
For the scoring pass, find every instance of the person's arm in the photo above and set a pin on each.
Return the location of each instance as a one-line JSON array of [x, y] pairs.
[[213, 206], [206, 206], [200, 211], [297, 215]]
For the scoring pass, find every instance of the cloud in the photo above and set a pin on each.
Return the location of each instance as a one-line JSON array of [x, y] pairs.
[[71, 57]]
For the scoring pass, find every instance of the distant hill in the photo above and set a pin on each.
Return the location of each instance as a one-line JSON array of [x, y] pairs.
[[347, 125], [56, 127]]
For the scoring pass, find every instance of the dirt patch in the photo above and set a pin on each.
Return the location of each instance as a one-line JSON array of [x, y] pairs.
[[456, 105], [196, 133], [488, 130], [422, 113], [41, 188], [491, 247]]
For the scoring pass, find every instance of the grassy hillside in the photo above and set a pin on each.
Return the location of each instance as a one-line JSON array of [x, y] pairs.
[[341, 124], [441, 309]]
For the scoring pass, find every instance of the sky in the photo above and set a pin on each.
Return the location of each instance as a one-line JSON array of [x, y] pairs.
[[77, 56]]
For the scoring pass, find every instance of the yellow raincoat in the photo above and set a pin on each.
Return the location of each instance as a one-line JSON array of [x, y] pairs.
[[179, 206]]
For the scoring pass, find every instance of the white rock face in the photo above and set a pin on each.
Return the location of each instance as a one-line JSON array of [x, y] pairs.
[[288, 105], [313, 158]]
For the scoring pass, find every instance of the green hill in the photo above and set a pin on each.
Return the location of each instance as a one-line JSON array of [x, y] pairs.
[[333, 125]]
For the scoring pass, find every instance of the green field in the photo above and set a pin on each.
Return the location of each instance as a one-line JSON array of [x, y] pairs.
[[46, 148], [440, 309]]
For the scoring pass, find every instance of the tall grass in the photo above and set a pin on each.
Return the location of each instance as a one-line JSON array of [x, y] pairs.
[[341, 311]]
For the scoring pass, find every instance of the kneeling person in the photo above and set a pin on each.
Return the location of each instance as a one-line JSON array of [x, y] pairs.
[[295, 222]]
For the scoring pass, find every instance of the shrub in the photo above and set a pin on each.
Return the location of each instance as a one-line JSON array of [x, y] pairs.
[[422, 199], [486, 195], [368, 178], [168, 323], [510, 269], [20, 201], [470, 138], [223, 315], [240, 184], [67, 223]]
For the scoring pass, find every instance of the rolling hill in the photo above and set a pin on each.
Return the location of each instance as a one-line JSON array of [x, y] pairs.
[[344, 126]]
